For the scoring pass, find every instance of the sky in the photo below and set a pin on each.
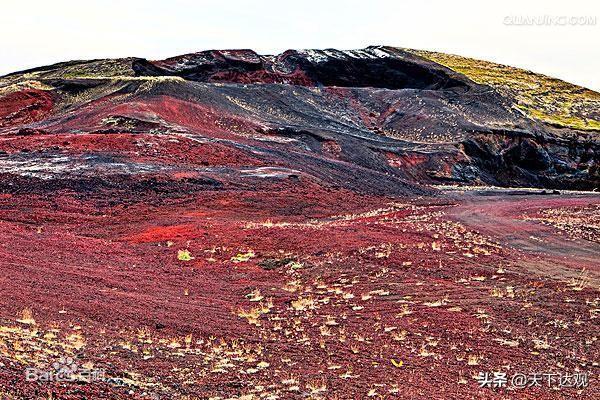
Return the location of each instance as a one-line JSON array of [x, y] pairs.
[[557, 38]]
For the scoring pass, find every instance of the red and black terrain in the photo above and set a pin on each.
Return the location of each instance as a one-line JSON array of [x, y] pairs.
[[324, 224]]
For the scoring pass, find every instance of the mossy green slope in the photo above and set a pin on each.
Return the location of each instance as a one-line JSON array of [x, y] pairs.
[[543, 98]]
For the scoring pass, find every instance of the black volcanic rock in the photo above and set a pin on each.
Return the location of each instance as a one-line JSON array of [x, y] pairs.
[[376, 67]]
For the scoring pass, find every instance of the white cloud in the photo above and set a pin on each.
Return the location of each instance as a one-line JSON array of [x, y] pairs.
[[41, 32]]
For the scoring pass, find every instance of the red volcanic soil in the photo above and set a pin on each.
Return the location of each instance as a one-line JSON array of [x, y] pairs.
[[295, 294], [24, 106], [224, 225]]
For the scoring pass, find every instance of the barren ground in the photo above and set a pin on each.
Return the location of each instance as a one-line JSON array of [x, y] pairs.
[[293, 297]]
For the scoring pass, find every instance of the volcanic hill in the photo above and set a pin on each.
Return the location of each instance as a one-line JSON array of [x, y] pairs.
[[379, 119]]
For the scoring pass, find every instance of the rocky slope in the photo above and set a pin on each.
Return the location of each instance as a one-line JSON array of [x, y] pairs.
[[379, 119]]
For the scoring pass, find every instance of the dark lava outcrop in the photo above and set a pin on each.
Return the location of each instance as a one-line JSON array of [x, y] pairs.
[[373, 67]]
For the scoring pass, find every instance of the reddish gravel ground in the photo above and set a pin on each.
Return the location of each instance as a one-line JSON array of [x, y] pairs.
[[315, 294]]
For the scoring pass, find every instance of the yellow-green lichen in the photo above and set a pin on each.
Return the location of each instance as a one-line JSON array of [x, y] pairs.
[[540, 97]]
